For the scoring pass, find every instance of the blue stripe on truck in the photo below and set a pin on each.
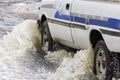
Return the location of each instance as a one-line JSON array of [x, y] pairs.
[[110, 23], [79, 19]]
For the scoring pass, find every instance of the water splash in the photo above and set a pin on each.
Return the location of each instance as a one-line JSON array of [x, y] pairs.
[[77, 68], [17, 62], [57, 56]]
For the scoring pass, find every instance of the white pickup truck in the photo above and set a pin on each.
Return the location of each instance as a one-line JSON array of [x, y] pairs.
[[81, 23]]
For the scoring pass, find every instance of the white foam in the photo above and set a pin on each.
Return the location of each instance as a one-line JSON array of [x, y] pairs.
[[77, 68], [57, 56], [16, 60]]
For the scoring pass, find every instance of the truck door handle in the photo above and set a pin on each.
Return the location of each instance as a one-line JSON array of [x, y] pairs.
[[67, 6], [87, 22]]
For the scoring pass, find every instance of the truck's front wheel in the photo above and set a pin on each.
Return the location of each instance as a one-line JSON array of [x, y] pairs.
[[102, 61], [46, 39], [48, 44]]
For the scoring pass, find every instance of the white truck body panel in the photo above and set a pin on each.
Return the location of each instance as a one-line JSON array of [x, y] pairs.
[[73, 27]]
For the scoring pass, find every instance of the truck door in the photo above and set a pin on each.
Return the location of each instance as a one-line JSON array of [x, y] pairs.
[[79, 25], [61, 24]]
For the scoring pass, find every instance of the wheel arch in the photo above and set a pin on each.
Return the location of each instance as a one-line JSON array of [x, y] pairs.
[[43, 18], [95, 36]]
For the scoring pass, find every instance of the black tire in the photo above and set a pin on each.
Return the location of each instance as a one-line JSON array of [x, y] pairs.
[[102, 61], [45, 32]]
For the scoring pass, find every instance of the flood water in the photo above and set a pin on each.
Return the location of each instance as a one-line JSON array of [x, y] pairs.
[[18, 57]]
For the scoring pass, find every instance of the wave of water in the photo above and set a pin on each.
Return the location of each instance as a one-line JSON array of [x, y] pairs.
[[77, 68], [17, 54]]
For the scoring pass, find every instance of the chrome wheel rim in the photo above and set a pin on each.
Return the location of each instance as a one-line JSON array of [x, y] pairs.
[[101, 64], [45, 40]]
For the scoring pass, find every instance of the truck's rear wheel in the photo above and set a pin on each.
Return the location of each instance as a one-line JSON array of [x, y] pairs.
[[102, 61]]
